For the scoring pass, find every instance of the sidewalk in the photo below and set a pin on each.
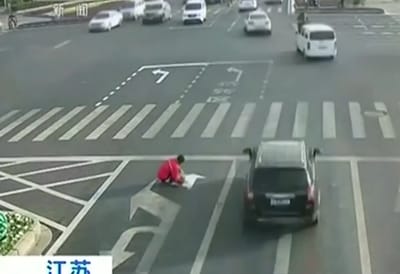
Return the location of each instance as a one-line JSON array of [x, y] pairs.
[[390, 6], [21, 20]]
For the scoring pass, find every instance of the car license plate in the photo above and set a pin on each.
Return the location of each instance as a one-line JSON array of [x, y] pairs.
[[279, 202], [322, 47]]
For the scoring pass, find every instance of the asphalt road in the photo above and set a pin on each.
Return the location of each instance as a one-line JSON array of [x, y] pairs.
[[68, 94]]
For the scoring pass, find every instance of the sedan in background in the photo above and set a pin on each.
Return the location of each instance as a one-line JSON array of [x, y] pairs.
[[105, 20], [247, 5], [258, 21]]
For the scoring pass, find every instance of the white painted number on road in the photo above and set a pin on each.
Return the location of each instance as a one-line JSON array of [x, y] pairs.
[[221, 91], [82, 10], [218, 99], [228, 84], [237, 71], [163, 74]]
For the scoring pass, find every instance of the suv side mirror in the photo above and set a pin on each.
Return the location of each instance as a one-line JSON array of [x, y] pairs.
[[248, 151]]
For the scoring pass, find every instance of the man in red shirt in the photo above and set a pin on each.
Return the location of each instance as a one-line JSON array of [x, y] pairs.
[[170, 171]]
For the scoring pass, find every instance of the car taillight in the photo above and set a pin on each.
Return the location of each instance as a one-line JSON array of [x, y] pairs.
[[308, 45], [311, 195]]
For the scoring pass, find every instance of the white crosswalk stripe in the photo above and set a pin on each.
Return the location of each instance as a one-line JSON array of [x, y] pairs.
[[245, 117], [224, 120], [108, 123], [83, 123], [300, 122], [35, 124], [18, 122], [385, 122], [357, 120], [134, 122], [160, 123], [216, 120], [54, 127], [190, 118], [328, 122], [271, 125]]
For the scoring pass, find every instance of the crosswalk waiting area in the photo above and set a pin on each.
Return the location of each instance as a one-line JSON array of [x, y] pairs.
[[225, 120]]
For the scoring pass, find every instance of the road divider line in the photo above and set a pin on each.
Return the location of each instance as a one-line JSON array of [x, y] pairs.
[[243, 122], [212, 225], [54, 127], [217, 11], [397, 204], [300, 120], [62, 44], [216, 120], [108, 123], [83, 123], [35, 124], [328, 120], [18, 122], [188, 121], [25, 212], [272, 122], [282, 258], [161, 122], [134, 122], [385, 121], [365, 259], [78, 218], [357, 120]]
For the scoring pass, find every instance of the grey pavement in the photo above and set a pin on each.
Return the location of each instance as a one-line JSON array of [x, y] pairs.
[[69, 95]]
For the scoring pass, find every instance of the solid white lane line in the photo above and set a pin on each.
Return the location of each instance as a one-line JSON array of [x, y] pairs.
[[17, 122], [357, 121], [108, 123], [328, 122], [242, 124], [397, 204], [134, 122], [83, 123], [35, 124], [161, 122], [212, 225], [62, 44], [215, 121], [190, 118], [385, 121], [300, 122], [282, 258], [54, 127], [271, 124], [365, 259]]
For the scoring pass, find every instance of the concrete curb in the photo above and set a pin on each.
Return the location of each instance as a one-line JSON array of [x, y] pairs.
[[53, 23], [68, 3], [341, 11]]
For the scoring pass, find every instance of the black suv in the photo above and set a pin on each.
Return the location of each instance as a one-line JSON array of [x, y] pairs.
[[281, 183]]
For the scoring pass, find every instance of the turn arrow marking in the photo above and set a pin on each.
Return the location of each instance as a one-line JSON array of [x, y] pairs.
[[190, 180], [163, 73], [237, 71]]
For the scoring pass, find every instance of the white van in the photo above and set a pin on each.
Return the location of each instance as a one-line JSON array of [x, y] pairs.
[[194, 11], [156, 11], [316, 40], [132, 9]]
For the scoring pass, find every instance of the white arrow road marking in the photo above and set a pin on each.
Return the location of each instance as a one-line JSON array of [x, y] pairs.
[[163, 73], [190, 180], [235, 70]]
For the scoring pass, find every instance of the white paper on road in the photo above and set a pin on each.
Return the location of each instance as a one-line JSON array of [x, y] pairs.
[[190, 180]]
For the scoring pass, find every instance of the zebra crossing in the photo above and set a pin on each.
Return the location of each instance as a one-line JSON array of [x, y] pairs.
[[87, 123]]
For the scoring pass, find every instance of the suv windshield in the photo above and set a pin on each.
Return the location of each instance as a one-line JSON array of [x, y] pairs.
[[257, 17], [102, 16], [193, 6], [322, 35], [154, 7], [280, 179]]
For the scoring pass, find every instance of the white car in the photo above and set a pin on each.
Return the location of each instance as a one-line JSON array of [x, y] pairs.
[[258, 21], [316, 40], [132, 9], [246, 5], [194, 11], [105, 20]]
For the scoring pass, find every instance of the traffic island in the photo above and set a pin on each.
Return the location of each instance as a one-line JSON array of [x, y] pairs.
[[22, 235]]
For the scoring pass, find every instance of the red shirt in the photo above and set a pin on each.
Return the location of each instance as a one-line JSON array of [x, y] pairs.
[[170, 169]]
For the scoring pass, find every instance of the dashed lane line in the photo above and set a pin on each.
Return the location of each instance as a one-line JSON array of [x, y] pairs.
[[191, 84]]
